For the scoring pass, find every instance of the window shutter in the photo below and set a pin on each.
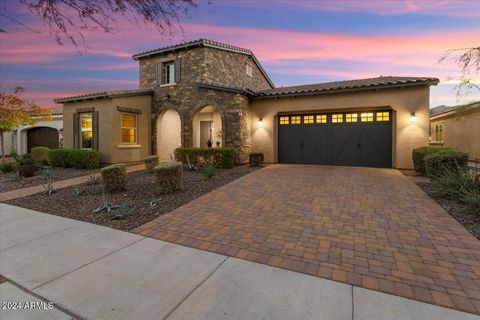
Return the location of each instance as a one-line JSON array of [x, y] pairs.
[[160, 74], [178, 67], [76, 137], [95, 130]]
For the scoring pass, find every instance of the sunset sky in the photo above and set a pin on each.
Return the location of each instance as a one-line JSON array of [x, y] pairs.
[[297, 42]]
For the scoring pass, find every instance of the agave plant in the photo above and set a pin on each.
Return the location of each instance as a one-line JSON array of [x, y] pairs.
[[154, 201], [48, 187], [121, 211], [93, 178], [105, 206]]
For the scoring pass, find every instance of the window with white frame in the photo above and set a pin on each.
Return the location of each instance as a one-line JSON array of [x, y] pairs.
[[169, 69], [128, 128]]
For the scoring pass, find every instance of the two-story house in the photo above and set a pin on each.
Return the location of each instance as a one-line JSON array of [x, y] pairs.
[[205, 93]]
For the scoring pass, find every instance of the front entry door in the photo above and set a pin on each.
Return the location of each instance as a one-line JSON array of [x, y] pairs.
[[205, 133]]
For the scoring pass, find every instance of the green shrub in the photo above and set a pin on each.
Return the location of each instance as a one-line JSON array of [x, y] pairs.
[[458, 185], [256, 159], [114, 178], [150, 163], [224, 157], [169, 177], [74, 158], [40, 155], [419, 153], [436, 163], [8, 167]]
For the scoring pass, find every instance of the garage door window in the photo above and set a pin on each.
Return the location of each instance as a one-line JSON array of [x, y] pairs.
[[284, 120], [367, 117], [383, 116], [308, 119], [296, 120], [321, 118], [337, 118], [351, 117]]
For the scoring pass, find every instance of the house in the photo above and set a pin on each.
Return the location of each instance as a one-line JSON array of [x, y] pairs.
[[457, 127], [43, 133], [203, 92]]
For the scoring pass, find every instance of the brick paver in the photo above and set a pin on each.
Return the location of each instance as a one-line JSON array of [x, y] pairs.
[[372, 228], [23, 192]]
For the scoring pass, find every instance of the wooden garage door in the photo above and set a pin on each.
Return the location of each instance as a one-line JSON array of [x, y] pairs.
[[42, 137], [343, 138]]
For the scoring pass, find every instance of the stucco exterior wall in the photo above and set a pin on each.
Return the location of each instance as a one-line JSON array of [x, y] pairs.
[[461, 132], [18, 140], [406, 135], [110, 127]]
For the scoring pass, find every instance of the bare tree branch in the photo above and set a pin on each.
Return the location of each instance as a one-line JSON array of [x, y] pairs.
[[71, 19]]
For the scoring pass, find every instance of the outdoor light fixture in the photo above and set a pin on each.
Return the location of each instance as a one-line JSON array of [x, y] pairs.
[[260, 122], [413, 117]]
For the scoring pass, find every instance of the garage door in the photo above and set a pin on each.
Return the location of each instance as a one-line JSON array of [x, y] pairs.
[[347, 138]]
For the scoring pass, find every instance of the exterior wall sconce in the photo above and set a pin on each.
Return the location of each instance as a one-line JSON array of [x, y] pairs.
[[413, 117], [260, 122]]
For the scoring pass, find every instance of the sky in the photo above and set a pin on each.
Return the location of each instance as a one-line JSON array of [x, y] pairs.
[[297, 42]]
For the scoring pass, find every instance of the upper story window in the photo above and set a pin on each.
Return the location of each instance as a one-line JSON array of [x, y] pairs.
[[168, 72], [129, 128], [249, 70]]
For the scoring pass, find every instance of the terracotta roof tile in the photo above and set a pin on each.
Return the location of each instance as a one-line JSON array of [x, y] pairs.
[[104, 94]]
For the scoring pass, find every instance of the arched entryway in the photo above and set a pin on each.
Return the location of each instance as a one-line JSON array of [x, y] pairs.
[[42, 137], [169, 136], [207, 128]]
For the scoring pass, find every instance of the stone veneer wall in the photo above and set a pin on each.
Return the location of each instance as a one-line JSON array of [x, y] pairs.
[[186, 98]]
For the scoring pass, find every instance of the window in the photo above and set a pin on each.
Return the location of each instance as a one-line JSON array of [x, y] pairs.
[[249, 70], [86, 127], [284, 120], [337, 118], [321, 118], [129, 128], [307, 119], [383, 116], [351, 117], [439, 132], [366, 117], [169, 72], [296, 120]]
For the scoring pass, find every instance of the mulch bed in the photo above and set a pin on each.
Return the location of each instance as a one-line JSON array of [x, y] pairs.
[[140, 191], [7, 183], [460, 212]]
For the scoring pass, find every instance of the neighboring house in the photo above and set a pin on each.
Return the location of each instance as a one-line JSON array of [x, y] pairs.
[[457, 127], [45, 133], [205, 91]]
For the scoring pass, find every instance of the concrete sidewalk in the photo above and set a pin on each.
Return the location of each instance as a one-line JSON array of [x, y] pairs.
[[94, 272], [23, 192]]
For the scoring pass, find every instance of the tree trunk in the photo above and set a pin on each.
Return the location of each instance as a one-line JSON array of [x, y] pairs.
[[3, 147]]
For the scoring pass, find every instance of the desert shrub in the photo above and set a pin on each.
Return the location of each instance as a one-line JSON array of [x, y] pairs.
[[209, 169], [114, 178], [436, 163], [222, 157], [255, 159], [458, 185], [419, 153], [8, 167], [150, 163], [40, 155], [74, 158], [169, 177]]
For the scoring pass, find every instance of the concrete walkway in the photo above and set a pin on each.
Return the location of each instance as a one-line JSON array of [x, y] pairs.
[[93, 272], [18, 193]]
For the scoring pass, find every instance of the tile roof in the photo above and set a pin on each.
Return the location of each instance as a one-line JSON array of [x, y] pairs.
[[55, 111], [204, 43], [219, 86], [440, 110], [348, 85], [104, 94]]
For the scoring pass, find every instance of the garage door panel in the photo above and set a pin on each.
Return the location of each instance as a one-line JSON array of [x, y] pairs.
[[344, 145], [376, 145], [315, 143], [289, 150]]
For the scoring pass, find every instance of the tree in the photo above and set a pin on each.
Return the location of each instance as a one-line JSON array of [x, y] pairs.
[[15, 111], [468, 61], [70, 19]]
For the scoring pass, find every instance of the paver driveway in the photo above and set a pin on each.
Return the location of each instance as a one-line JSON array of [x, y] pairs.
[[368, 227]]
